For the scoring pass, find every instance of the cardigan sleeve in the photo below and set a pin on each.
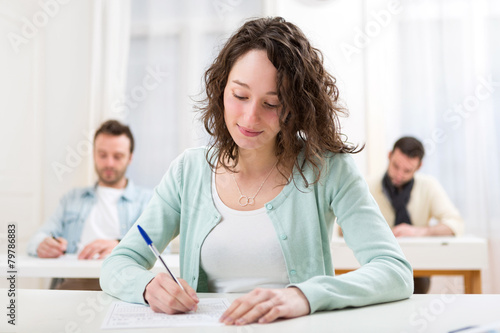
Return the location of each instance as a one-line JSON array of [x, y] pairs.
[[125, 273], [385, 275]]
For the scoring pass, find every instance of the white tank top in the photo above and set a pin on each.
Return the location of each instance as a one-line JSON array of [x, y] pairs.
[[242, 252]]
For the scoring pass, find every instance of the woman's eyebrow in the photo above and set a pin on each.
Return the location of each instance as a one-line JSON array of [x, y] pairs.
[[238, 82]]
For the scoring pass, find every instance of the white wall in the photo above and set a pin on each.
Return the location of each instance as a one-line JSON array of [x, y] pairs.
[[44, 108], [66, 88], [20, 128]]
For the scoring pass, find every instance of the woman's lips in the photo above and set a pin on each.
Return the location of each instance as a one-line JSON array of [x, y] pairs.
[[248, 132]]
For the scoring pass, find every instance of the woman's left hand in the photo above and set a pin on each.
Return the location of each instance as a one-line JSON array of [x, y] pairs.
[[266, 305]]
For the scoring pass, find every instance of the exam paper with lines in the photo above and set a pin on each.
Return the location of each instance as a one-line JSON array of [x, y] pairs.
[[128, 315]]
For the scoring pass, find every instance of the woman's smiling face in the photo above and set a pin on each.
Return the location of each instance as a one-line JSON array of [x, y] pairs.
[[251, 105]]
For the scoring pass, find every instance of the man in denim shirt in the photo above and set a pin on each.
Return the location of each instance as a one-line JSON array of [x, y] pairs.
[[91, 221]]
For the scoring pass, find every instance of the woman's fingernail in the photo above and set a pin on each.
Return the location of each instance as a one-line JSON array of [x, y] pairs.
[[240, 321]]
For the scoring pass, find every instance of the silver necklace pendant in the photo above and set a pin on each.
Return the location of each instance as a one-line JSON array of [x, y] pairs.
[[245, 201]]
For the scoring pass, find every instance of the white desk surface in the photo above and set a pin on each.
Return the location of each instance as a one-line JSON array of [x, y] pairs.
[[443, 253], [426, 253], [83, 311]]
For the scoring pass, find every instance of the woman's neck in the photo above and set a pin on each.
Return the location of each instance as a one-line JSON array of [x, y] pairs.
[[252, 162]]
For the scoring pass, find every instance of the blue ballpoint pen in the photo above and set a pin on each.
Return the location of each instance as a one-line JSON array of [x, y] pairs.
[[156, 253]]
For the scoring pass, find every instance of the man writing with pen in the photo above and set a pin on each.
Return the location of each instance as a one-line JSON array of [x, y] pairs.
[[91, 221]]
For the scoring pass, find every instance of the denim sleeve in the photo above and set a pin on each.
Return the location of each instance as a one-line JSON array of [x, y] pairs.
[[52, 226]]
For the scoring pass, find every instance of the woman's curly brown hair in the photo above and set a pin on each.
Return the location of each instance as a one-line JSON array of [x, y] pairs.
[[306, 91]]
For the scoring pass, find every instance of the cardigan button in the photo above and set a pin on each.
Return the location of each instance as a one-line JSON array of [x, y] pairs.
[[269, 206], [283, 237], [293, 272]]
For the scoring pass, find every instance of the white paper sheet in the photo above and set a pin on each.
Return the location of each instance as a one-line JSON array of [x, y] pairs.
[[129, 315]]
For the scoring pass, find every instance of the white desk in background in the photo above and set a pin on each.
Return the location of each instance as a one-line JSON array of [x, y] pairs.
[[84, 311], [68, 266], [465, 256]]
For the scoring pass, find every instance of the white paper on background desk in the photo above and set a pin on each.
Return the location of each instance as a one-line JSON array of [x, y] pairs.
[[129, 315]]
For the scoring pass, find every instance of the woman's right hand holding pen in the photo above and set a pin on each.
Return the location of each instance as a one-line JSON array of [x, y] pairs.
[[164, 295], [52, 247]]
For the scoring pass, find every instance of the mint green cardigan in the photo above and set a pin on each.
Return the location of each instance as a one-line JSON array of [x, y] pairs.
[[303, 219]]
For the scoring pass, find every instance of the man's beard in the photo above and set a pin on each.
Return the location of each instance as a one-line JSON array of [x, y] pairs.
[[116, 176]]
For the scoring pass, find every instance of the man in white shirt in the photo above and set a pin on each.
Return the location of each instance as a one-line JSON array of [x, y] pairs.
[[409, 201], [91, 221]]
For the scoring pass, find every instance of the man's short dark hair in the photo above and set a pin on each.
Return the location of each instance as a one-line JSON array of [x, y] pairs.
[[410, 146], [114, 127]]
